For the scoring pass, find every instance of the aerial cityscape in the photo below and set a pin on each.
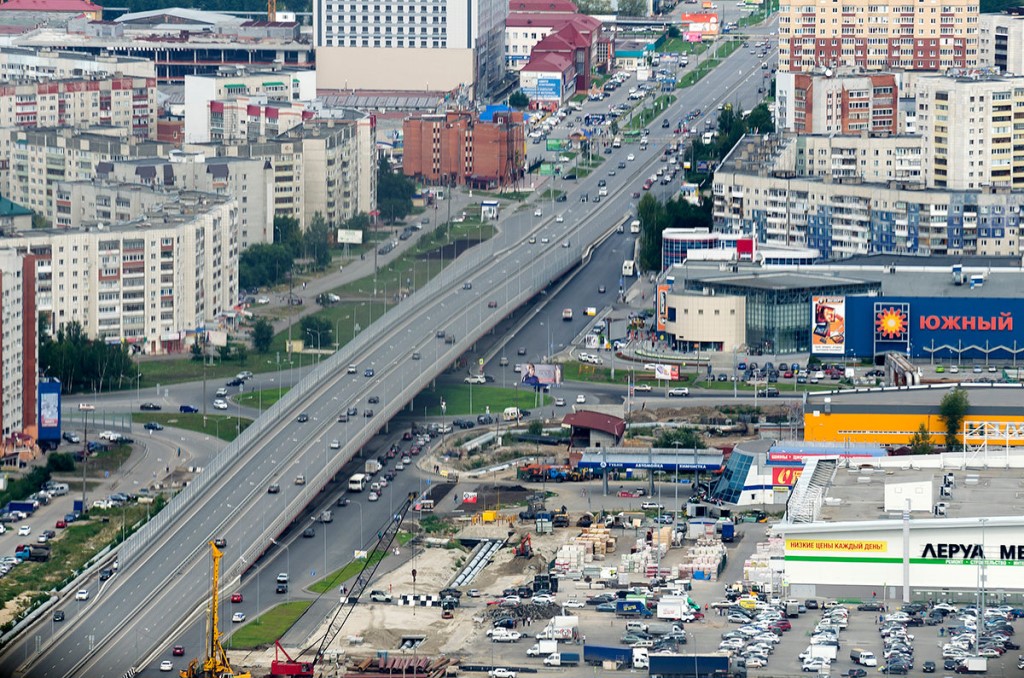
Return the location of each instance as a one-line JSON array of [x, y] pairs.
[[420, 338]]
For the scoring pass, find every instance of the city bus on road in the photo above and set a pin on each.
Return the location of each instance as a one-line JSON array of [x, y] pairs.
[[357, 483]]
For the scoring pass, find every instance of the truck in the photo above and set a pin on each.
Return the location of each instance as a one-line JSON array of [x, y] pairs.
[[632, 608], [662, 628], [694, 666], [828, 652], [561, 627], [792, 608], [973, 665], [542, 648], [26, 507], [673, 608], [372, 466], [728, 532], [562, 659], [597, 655]]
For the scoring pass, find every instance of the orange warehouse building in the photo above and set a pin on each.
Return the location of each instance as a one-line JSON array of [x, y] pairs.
[[892, 416]]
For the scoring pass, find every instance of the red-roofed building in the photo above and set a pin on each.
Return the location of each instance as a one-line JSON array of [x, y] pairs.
[[580, 36], [54, 13], [594, 429], [549, 80]]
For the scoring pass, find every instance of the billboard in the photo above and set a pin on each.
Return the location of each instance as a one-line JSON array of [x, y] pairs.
[[350, 236], [828, 325], [538, 376], [786, 475], [543, 88], [556, 144], [547, 169], [935, 327], [663, 291], [49, 409], [666, 372]]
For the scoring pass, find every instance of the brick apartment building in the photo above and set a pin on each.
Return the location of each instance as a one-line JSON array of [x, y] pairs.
[[457, 148], [850, 103]]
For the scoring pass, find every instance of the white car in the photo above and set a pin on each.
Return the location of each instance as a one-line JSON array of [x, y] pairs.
[[82, 594], [166, 665], [651, 506], [501, 673], [538, 212], [581, 398], [263, 300], [544, 598], [24, 531], [574, 604], [220, 404], [545, 241], [509, 601], [559, 219], [238, 617], [642, 388], [373, 496], [335, 444], [630, 157]]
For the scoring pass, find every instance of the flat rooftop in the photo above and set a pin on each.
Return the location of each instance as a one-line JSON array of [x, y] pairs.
[[990, 399], [995, 493]]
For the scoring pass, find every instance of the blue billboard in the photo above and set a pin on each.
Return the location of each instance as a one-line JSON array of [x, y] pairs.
[[546, 88], [49, 410], [935, 327]]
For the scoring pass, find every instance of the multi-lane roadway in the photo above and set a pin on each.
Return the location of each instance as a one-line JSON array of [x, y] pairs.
[[134, 614]]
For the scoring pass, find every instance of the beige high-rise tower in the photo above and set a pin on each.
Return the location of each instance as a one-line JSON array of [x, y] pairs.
[[921, 35]]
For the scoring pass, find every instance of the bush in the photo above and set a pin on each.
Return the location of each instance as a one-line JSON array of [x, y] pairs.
[[19, 489], [60, 462]]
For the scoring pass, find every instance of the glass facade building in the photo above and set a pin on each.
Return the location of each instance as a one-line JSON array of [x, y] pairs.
[[779, 304]]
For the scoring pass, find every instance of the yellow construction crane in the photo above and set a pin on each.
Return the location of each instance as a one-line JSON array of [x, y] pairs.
[[216, 664], [271, 10]]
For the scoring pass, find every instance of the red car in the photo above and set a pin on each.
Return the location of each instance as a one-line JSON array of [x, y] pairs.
[[236, 597], [60, 524], [178, 651], [631, 494], [492, 304]]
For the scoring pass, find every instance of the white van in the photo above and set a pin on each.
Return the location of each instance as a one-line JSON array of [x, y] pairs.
[[511, 414], [59, 489]]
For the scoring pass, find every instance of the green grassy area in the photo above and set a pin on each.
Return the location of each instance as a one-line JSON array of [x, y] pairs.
[[576, 371], [649, 113], [516, 196], [457, 399], [106, 462], [268, 627], [264, 398], [176, 370], [681, 46], [335, 579], [223, 426]]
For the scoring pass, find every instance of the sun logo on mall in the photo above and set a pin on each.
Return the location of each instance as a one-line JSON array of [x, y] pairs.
[[891, 323]]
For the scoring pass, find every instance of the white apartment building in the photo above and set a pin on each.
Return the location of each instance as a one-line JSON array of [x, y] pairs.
[[971, 132], [248, 180], [217, 107], [19, 63], [1001, 42], [151, 283], [12, 356], [323, 166], [759, 190], [411, 45], [39, 159]]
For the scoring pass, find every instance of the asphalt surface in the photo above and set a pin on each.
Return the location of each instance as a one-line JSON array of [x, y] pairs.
[[137, 610]]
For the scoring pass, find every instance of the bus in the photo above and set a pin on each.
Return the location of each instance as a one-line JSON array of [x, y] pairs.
[[357, 483], [634, 226], [628, 268]]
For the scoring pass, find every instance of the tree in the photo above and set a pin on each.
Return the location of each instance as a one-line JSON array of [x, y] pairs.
[[594, 6], [652, 223], [394, 192], [682, 438], [262, 335], [518, 99], [316, 241], [288, 233], [536, 427], [84, 364], [632, 8], [760, 120], [952, 411], [264, 265], [317, 331], [921, 442], [673, 32]]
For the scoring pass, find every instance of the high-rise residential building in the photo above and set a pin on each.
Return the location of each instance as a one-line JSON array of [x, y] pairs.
[[18, 343], [151, 283], [248, 180], [325, 166], [762, 189], [457, 148], [845, 103], [877, 37], [34, 161], [410, 45], [1001, 41], [239, 105], [970, 131], [115, 101]]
